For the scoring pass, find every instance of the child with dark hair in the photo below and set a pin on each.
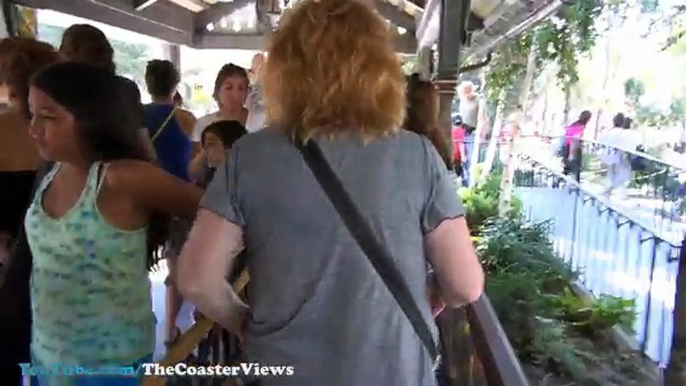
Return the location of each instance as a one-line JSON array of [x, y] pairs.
[[89, 225], [217, 139]]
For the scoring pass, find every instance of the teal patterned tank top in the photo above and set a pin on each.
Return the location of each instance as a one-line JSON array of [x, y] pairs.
[[90, 290]]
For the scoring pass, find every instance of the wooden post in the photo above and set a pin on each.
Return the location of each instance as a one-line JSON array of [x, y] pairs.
[[511, 164], [173, 54], [458, 346], [676, 369], [424, 65], [452, 31]]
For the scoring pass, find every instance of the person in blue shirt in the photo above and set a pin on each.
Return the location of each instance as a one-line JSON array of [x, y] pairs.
[[170, 129]]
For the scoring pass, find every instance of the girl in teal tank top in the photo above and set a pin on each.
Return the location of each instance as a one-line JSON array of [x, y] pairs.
[[88, 226]]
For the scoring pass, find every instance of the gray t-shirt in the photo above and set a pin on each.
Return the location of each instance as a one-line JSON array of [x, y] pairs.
[[316, 302]]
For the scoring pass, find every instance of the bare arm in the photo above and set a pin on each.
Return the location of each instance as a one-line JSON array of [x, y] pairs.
[[457, 268], [205, 261], [154, 189], [186, 120]]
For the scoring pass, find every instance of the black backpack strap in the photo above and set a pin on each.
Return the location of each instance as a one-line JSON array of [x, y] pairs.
[[363, 234]]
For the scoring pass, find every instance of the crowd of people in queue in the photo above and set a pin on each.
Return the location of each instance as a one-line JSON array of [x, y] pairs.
[[94, 184]]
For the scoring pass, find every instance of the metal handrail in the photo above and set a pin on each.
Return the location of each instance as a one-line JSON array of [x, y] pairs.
[[501, 365], [595, 142], [576, 185], [607, 258], [634, 152], [189, 340]]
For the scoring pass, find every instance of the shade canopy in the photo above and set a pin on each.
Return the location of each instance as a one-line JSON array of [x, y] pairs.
[[244, 24]]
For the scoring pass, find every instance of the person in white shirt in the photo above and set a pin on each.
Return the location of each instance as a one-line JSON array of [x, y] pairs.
[[470, 110], [619, 140], [230, 93], [256, 111]]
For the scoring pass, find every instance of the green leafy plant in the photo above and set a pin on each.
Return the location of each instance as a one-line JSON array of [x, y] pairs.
[[602, 314], [481, 202], [529, 287]]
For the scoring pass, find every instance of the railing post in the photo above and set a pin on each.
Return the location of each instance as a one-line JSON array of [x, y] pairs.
[[676, 369]]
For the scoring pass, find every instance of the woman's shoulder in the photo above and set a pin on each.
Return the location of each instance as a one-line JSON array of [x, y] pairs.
[[124, 172], [202, 122], [208, 118], [185, 118], [411, 139]]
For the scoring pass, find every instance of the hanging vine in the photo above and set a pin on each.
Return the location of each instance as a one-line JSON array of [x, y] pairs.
[[560, 40]]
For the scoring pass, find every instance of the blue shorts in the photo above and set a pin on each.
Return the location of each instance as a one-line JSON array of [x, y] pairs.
[[101, 381]]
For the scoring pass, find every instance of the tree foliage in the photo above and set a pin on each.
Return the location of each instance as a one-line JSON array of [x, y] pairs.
[[634, 89], [559, 41]]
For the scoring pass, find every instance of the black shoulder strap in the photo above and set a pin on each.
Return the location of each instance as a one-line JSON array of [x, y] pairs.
[[363, 234]]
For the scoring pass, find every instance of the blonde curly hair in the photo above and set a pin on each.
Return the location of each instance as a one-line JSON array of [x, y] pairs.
[[332, 69]]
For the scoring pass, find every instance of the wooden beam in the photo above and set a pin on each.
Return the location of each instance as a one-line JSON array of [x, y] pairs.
[[395, 15], [191, 5], [140, 5], [215, 12], [403, 43]]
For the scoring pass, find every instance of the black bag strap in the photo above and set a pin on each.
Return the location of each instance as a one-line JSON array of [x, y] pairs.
[[363, 234]]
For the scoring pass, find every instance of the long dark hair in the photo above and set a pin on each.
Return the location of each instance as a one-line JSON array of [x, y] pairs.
[[422, 115], [584, 118], [105, 124]]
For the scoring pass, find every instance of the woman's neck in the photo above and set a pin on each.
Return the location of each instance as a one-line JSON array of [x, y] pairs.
[[232, 113], [76, 167]]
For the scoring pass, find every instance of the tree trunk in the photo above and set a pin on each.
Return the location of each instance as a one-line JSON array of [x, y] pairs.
[[568, 101], [511, 164], [493, 143], [606, 80], [481, 125]]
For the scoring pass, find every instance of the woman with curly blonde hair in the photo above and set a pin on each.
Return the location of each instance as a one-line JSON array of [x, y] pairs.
[[333, 82]]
